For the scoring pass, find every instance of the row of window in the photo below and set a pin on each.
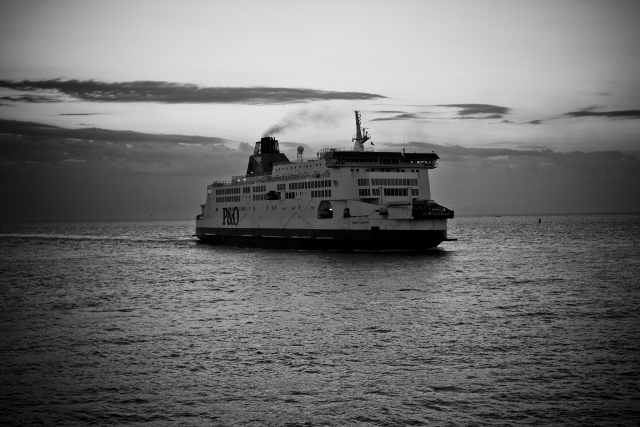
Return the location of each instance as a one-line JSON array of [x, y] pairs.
[[367, 192], [381, 161], [280, 187], [384, 161], [321, 193], [224, 191], [226, 199], [389, 181], [236, 190], [310, 184], [396, 192], [292, 195]]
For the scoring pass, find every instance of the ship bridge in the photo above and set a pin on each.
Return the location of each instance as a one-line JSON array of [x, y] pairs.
[[335, 158]]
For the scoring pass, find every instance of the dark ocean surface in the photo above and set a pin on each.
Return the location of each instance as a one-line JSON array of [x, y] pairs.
[[516, 323]]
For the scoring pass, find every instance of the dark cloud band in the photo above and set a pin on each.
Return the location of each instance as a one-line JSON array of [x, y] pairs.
[[177, 93], [533, 159], [405, 116], [30, 98], [40, 131], [623, 114], [468, 109]]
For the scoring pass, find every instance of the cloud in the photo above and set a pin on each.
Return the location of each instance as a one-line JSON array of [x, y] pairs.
[[98, 174], [79, 114], [457, 152], [388, 112], [491, 116], [42, 131], [603, 94], [468, 109], [534, 122], [247, 148], [405, 116], [26, 145], [587, 162], [173, 93], [499, 180], [39, 99], [622, 114]]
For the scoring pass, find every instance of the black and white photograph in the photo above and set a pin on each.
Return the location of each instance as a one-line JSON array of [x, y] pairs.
[[320, 213]]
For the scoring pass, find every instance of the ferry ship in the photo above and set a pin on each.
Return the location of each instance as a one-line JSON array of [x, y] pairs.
[[340, 199]]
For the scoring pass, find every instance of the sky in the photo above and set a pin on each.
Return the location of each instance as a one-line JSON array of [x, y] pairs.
[[126, 110]]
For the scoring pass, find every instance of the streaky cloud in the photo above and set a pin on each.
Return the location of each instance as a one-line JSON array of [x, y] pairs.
[[175, 93], [490, 116], [406, 116], [389, 112], [451, 152], [78, 114], [40, 130], [534, 122], [620, 114], [28, 145], [35, 99], [469, 109]]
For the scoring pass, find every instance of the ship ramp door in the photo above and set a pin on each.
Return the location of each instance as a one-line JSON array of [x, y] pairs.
[[325, 210]]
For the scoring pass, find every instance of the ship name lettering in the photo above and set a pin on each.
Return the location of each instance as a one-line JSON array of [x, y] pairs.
[[360, 221], [230, 216]]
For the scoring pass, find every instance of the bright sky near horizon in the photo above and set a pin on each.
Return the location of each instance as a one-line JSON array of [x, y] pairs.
[[88, 87]]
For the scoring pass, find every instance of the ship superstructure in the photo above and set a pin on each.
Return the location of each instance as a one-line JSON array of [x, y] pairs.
[[339, 199]]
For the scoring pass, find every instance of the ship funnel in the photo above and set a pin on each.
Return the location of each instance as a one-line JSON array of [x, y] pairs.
[[267, 144]]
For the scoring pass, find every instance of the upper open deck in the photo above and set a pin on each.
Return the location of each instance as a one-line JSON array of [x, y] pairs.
[[336, 158]]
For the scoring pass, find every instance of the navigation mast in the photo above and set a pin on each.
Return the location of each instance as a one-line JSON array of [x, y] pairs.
[[361, 135]]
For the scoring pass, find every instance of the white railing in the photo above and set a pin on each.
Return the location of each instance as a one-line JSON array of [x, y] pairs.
[[242, 180], [331, 162]]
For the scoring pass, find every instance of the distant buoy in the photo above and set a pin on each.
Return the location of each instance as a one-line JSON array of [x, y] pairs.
[[539, 220]]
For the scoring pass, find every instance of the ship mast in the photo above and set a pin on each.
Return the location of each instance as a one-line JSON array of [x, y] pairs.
[[361, 136]]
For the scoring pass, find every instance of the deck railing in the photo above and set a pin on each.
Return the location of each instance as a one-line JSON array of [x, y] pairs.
[[243, 180], [333, 162]]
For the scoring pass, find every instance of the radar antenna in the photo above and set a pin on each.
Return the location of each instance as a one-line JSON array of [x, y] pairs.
[[361, 135]]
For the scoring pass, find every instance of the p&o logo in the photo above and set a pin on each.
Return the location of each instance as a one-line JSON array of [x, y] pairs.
[[230, 216]]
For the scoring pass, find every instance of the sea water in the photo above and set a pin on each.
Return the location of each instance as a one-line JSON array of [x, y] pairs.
[[518, 322]]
